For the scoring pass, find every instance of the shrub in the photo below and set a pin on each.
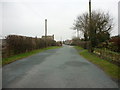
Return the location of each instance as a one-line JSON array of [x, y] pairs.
[[115, 41], [107, 54], [19, 44]]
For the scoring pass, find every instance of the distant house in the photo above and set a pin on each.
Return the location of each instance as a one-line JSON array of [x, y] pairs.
[[59, 43], [48, 37], [68, 42]]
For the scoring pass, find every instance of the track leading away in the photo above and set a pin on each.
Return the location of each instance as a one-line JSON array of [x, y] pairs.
[[57, 68]]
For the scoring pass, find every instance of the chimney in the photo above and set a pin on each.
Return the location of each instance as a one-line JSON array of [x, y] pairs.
[[45, 27]]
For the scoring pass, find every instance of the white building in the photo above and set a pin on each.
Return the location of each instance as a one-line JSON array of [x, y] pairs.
[[51, 37]]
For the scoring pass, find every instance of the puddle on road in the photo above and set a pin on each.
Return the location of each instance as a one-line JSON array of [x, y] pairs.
[[76, 63], [70, 46]]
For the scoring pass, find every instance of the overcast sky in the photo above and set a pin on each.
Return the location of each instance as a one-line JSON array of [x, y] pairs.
[[26, 17]]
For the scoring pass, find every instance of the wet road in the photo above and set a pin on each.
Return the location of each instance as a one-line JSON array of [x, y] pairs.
[[57, 68]]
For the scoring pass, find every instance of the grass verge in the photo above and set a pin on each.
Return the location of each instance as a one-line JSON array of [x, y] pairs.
[[23, 55], [110, 69]]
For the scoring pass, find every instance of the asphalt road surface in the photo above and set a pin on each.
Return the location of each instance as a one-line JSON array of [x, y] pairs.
[[57, 68]]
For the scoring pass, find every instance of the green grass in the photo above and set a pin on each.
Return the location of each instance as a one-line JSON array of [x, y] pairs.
[[23, 55], [79, 48], [111, 69]]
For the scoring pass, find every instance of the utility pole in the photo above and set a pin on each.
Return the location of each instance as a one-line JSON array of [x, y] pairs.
[[45, 32], [90, 9], [78, 33], [90, 31]]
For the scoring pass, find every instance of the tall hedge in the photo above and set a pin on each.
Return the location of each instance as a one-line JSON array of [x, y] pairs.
[[19, 44]]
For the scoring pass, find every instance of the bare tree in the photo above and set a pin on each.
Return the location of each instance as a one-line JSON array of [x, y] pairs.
[[99, 31], [81, 24]]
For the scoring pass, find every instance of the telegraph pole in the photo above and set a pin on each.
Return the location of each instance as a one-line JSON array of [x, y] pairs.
[[90, 9], [45, 32], [90, 31], [78, 33]]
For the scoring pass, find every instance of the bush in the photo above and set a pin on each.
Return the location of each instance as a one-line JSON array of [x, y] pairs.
[[112, 44], [81, 43], [19, 44], [107, 54], [115, 44]]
